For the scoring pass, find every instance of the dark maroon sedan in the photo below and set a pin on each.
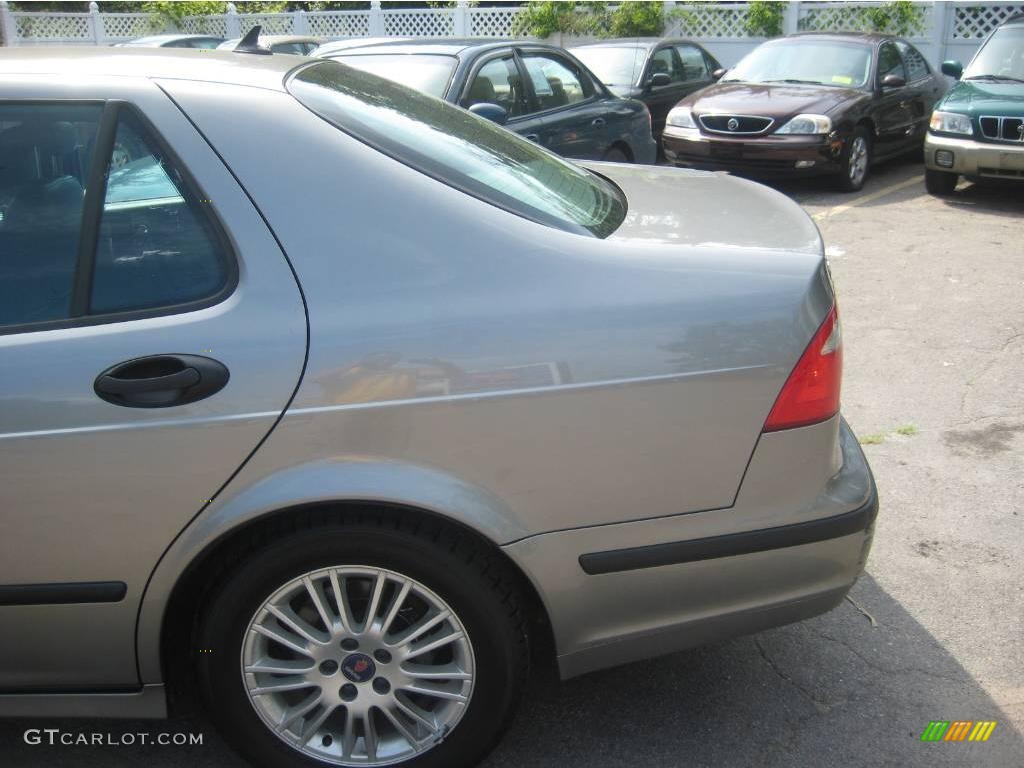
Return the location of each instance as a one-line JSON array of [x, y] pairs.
[[809, 104]]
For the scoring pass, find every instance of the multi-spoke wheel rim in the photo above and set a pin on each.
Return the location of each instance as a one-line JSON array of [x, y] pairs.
[[357, 665], [858, 159]]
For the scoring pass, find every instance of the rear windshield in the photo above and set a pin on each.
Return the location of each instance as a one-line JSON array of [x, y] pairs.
[[613, 65], [460, 149], [429, 73]]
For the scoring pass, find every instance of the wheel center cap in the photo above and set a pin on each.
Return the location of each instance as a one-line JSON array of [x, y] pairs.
[[358, 667]]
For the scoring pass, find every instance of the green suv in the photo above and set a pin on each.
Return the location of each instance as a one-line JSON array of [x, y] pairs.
[[977, 130]]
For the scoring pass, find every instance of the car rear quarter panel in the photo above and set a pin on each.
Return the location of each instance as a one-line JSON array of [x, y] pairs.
[[517, 378]]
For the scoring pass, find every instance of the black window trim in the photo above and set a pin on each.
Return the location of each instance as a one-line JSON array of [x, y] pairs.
[[522, 51], [112, 109]]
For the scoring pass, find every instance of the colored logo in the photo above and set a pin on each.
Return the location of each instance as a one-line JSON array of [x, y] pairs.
[[958, 730], [358, 667]]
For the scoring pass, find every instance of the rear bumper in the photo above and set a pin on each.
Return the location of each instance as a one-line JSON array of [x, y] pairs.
[[975, 158], [624, 592], [763, 156]]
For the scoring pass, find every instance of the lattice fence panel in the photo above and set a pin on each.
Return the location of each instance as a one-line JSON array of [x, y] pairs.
[[339, 23], [973, 22], [53, 26], [125, 26], [272, 23], [430, 23], [492, 22], [705, 21], [835, 17], [205, 25]]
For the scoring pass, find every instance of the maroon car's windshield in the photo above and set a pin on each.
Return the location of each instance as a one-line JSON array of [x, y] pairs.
[[811, 62]]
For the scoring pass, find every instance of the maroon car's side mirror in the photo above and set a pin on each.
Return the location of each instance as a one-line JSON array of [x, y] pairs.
[[717, 74], [893, 81]]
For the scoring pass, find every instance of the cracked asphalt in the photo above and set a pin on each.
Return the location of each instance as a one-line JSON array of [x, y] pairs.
[[930, 294]]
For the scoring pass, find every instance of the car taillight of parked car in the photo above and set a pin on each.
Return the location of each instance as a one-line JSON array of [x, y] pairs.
[[811, 393]]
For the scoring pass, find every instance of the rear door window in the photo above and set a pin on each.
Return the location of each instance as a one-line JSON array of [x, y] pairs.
[[77, 241], [156, 246], [45, 159]]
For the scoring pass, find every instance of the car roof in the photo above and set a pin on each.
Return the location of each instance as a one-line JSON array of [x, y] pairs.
[[868, 38], [442, 45], [169, 63], [155, 39], [276, 39], [631, 42]]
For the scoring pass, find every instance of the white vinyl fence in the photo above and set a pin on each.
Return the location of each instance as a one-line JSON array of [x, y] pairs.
[[947, 29]]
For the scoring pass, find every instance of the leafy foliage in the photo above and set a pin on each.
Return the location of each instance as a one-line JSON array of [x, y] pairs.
[[901, 17], [765, 18], [543, 18], [636, 19]]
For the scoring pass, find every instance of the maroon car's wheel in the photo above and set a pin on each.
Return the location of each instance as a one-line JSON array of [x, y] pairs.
[[855, 160]]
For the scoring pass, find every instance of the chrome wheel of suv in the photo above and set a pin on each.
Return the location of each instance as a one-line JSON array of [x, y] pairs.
[[357, 665]]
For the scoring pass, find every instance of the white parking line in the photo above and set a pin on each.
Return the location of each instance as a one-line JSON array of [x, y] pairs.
[[836, 210]]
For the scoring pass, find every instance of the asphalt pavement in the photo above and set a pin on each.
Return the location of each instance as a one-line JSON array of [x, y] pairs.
[[931, 295]]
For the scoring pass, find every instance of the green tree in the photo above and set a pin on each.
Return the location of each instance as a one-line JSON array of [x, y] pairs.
[[764, 18]]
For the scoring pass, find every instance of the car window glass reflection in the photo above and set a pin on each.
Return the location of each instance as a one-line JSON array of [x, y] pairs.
[[45, 157], [155, 248], [460, 149]]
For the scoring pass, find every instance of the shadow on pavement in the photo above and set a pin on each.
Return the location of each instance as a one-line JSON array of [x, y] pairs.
[[995, 196], [832, 691]]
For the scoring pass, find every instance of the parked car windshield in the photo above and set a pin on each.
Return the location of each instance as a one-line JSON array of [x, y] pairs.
[[613, 65], [429, 73], [460, 149], [815, 62], [1001, 56]]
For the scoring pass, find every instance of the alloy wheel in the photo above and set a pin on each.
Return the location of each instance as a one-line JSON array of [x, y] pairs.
[[858, 163], [357, 665]]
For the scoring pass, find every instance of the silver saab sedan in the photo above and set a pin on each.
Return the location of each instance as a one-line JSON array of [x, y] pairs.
[[330, 405]]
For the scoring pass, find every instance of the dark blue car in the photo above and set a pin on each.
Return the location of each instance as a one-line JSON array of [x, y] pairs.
[[540, 91]]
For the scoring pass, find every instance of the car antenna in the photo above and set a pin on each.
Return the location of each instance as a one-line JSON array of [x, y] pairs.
[[251, 43]]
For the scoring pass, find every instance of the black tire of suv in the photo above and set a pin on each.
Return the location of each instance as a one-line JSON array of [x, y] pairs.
[[940, 183], [471, 579]]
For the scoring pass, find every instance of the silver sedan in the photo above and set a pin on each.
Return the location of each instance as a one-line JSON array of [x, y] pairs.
[[330, 405]]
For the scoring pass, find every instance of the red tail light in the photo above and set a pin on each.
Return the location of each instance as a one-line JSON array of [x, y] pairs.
[[811, 393]]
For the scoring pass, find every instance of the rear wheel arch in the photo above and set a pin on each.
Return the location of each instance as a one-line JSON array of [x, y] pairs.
[[197, 584]]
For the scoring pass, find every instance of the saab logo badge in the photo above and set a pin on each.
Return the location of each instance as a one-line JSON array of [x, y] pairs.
[[358, 667], [733, 124], [958, 730]]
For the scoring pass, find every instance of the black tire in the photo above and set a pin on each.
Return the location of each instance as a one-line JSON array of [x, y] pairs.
[[848, 180], [940, 183], [471, 579], [616, 155]]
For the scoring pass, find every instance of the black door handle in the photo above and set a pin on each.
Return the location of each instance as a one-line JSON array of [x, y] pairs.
[[532, 137], [598, 122], [161, 381]]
